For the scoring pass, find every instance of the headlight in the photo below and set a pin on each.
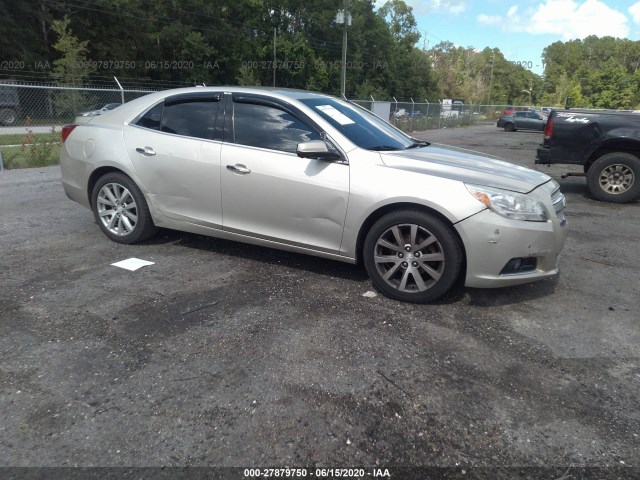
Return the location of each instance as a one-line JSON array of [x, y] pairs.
[[509, 204]]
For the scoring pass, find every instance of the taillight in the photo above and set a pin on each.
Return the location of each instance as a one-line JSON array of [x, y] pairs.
[[548, 129], [66, 131]]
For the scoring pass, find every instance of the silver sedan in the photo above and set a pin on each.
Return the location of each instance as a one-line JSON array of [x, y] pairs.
[[310, 173]]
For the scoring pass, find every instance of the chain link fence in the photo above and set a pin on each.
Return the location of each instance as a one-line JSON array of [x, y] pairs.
[[414, 117], [31, 105], [32, 116]]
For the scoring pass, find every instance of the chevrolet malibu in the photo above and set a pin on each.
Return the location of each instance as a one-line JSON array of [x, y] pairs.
[[310, 173]]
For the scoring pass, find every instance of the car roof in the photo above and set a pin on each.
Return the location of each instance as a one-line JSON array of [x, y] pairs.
[[130, 110]]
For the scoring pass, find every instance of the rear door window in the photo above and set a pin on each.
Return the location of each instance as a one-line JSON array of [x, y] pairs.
[[190, 117], [185, 115]]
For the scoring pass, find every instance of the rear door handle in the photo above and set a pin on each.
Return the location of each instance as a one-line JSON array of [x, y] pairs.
[[239, 168], [147, 151]]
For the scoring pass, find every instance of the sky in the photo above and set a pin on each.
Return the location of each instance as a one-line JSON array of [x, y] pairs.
[[521, 29]]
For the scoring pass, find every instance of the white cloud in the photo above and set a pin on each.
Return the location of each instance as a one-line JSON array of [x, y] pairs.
[[489, 19], [634, 10], [567, 18], [571, 19], [422, 7]]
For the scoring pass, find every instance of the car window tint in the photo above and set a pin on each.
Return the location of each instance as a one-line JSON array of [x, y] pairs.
[[151, 119], [268, 127], [190, 118]]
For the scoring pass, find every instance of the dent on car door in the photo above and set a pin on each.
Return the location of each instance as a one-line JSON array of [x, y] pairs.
[[269, 192], [174, 150]]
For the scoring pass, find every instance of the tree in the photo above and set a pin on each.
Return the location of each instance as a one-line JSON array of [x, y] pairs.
[[595, 72], [402, 23], [71, 68]]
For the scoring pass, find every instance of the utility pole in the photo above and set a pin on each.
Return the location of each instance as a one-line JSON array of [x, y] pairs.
[[490, 81], [274, 57], [344, 17]]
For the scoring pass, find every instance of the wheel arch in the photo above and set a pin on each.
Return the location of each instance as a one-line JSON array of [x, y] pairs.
[[625, 145], [100, 172], [394, 207]]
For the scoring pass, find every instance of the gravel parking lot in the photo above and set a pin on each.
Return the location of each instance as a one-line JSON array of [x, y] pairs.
[[224, 354]]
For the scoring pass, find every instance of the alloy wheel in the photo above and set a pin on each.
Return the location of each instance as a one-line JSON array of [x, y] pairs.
[[409, 258], [117, 209]]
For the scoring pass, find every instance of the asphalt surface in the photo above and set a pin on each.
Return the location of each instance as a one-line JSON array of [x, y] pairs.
[[224, 354]]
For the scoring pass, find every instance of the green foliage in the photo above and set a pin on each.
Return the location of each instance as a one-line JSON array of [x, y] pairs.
[[71, 68], [402, 23], [594, 72], [482, 77], [35, 150]]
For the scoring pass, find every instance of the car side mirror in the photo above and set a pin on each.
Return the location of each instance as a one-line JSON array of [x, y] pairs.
[[318, 150]]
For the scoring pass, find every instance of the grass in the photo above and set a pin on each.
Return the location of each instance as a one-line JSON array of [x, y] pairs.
[[18, 157], [30, 149], [19, 138]]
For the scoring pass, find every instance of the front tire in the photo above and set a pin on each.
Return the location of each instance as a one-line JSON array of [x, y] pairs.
[[615, 177], [121, 210], [509, 127], [412, 256]]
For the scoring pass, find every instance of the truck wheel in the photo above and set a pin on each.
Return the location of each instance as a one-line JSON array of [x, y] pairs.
[[615, 177], [7, 116], [509, 127]]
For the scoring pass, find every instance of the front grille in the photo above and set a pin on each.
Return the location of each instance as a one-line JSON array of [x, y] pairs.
[[559, 203]]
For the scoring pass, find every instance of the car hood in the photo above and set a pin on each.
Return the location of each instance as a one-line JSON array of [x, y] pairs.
[[466, 166]]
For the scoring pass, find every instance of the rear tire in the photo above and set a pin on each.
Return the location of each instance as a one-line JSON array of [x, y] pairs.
[[7, 116], [412, 256], [615, 177], [121, 210]]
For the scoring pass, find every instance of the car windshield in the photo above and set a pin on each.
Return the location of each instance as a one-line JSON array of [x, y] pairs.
[[360, 126]]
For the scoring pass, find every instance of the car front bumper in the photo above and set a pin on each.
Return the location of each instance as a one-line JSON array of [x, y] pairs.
[[492, 241]]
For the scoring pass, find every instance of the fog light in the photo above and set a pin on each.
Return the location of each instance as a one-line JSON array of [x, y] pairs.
[[519, 265]]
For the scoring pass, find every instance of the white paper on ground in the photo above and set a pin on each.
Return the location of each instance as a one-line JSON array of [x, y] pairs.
[[132, 264]]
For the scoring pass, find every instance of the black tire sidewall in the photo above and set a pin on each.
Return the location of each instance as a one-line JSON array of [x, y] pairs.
[[593, 177], [10, 117], [144, 227], [448, 240], [509, 127]]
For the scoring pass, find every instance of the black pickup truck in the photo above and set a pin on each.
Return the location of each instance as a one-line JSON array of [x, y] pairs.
[[605, 143]]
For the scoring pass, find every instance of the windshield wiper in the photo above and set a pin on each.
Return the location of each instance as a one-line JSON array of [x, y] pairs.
[[383, 147], [418, 143]]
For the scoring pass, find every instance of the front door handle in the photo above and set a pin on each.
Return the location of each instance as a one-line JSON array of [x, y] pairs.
[[147, 151], [239, 168]]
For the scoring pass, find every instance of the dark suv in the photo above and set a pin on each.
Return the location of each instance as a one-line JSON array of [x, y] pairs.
[[9, 104]]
